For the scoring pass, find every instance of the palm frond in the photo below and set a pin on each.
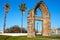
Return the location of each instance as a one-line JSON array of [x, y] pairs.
[[7, 5], [22, 7]]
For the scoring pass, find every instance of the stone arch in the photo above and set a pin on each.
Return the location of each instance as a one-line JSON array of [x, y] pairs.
[[45, 20]]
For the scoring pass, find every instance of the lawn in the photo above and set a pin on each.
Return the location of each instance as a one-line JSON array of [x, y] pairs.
[[25, 38]]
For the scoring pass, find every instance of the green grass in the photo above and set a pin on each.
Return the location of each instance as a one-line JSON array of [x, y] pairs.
[[25, 38]]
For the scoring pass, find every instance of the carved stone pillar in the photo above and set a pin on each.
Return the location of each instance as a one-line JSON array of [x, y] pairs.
[[31, 28], [46, 27]]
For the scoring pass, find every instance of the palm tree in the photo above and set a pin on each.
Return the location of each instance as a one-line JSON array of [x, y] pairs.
[[22, 7], [6, 7]]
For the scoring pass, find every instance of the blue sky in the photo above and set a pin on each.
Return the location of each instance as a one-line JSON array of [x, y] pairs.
[[14, 14]]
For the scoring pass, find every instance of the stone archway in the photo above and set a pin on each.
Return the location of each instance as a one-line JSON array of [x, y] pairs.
[[45, 20]]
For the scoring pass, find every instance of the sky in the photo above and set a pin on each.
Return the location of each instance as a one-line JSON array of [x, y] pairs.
[[14, 14]]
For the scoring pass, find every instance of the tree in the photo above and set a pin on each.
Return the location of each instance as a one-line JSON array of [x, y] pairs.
[[22, 7], [15, 29], [6, 7]]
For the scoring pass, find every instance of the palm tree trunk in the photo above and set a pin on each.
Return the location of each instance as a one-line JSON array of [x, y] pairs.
[[22, 22], [4, 22]]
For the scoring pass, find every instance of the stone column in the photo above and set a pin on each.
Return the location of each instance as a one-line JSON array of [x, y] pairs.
[[46, 20], [31, 29], [46, 26]]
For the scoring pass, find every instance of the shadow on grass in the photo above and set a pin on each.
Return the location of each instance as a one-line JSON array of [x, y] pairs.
[[7, 38]]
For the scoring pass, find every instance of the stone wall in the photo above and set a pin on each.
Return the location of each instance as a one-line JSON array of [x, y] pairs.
[[31, 28], [45, 20]]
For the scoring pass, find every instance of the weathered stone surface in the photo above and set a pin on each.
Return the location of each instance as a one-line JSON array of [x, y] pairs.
[[31, 29], [45, 20]]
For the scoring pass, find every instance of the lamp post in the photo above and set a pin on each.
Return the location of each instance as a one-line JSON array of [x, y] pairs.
[[37, 27]]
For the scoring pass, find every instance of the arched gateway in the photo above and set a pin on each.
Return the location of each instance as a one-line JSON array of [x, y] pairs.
[[45, 20]]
